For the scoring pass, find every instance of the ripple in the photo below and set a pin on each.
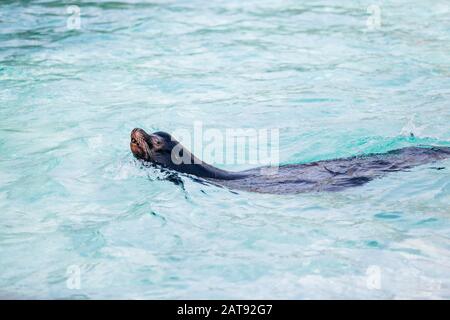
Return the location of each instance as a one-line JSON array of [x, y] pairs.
[[72, 194]]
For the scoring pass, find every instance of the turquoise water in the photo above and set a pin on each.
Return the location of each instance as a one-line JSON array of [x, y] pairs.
[[81, 219]]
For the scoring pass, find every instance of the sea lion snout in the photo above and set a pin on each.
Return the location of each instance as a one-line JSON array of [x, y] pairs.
[[139, 144], [137, 133]]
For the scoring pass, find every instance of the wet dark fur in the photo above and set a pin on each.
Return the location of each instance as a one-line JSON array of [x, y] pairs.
[[327, 175]]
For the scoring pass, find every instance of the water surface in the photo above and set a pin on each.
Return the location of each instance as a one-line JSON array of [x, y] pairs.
[[73, 198]]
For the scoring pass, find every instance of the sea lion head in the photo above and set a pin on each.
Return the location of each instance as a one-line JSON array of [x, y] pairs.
[[162, 149], [155, 147]]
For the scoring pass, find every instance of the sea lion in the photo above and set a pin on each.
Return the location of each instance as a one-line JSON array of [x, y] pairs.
[[160, 148]]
